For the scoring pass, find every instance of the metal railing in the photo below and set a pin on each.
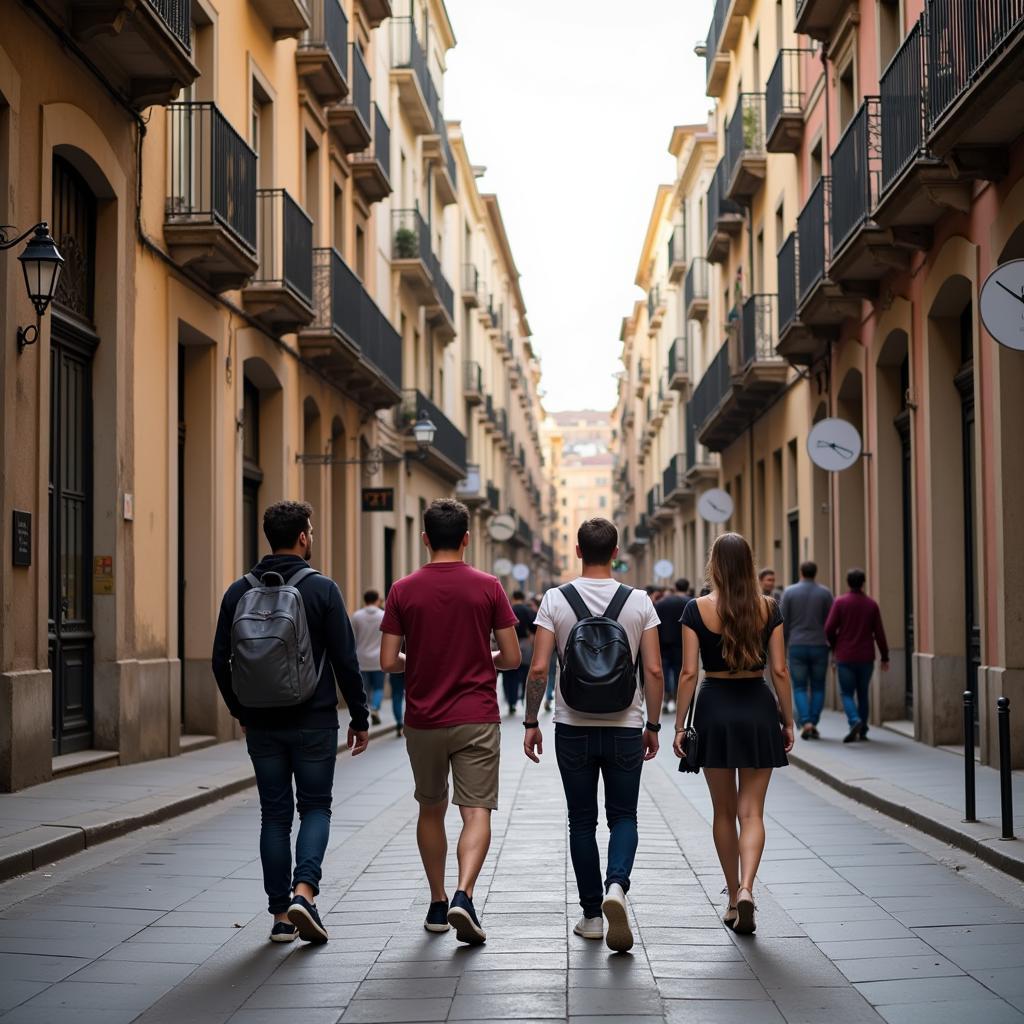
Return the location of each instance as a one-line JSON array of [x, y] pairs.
[[963, 36], [678, 361], [691, 438], [653, 500], [855, 165], [787, 264], [407, 52], [493, 495], [380, 148], [784, 94], [672, 477], [718, 205], [284, 243], [448, 439], [758, 330], [470, 279], [177, 16], [474, 377], [653, 301], [712, 389], [714, 35], [695, 287], [501, 422], [328, 30], [744, 135], [812, 238], [902, 102], [360, 96], [677, 245], [433, 95], [212, 171], [410, 239]]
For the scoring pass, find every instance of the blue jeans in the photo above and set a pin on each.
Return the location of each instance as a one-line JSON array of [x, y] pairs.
[[552, 669], [373, 683], [278, 756], [671, 665], [397, 680], [616, 754], [808, 668], [513, 682], [855, 688]]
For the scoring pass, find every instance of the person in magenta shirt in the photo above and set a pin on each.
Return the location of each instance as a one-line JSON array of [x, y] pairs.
[[853, 628], [446, 612]]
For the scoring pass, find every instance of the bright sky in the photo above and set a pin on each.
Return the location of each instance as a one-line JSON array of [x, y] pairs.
[[570, 104]]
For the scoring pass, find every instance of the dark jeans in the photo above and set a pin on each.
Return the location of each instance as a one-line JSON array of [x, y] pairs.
[[855, 687], [671, 666], [616, 754], [397, 680], [808, 668], [278, 756], [373, 684], [552, 669], [513, 682]]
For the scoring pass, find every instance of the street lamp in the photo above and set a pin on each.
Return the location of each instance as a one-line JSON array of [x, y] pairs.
[[41, 263], [424, 430]]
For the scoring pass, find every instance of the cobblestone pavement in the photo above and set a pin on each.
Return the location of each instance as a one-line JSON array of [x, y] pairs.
[[860, 920]]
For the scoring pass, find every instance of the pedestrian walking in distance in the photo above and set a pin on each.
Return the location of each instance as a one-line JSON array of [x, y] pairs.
[[805, 607], [600, 629], [853, 628], [670, 610], [446, 612], [283, 640], [743, 729], [366, 626], [514, 680]]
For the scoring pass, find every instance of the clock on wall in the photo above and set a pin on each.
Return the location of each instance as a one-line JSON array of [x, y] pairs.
[[834, 444], [1002, 304], [715, 505]]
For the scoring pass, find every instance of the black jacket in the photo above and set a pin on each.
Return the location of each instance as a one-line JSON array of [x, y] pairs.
[[670, 611], [329, 628]]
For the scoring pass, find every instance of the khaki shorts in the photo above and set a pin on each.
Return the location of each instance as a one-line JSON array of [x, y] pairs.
[[470, 751]]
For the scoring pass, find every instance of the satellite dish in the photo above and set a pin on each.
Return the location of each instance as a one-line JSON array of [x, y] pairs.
[[502, 567], [715, 505], [834, 444]]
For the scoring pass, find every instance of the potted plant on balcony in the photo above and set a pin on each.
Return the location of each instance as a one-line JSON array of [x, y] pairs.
[[405, 244]]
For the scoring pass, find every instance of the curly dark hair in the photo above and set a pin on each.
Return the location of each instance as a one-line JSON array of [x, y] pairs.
[[284, 521], [445, 523]]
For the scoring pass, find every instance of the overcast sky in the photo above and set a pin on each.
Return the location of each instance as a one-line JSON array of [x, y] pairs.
[[570, 105]]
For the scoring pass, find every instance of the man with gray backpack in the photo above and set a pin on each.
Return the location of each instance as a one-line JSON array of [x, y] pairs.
[[283, 639], [606, 636]]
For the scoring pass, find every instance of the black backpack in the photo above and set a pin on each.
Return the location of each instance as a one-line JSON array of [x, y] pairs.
[[598, 671]]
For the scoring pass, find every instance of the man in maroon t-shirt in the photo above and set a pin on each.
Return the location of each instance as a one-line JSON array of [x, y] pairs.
[[446, 612]]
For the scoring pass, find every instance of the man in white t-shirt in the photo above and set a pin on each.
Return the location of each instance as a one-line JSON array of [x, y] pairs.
[[613, 746], [366, 627]]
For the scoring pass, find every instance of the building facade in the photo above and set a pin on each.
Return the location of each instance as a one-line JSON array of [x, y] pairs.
[[868, 179], [266, 221]]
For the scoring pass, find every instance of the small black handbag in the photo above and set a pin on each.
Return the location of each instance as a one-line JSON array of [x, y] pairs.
[[689, 742]]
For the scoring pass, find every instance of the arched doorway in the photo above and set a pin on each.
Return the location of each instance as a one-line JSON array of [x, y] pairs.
[[73, 342]]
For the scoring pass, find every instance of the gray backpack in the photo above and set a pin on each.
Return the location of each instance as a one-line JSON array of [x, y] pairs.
[[271, 654]]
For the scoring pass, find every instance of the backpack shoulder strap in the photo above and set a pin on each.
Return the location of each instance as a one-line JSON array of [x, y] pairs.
[[618, 602], [576, 603], [296, 578], [251, 580]]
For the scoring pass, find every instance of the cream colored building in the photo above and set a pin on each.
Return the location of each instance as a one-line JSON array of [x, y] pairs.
[[266, 221]]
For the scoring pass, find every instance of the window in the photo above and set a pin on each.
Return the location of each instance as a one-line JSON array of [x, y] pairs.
[[890, 34], [847, 94], [261, 133], [602, 502], [338, 218], [780, 224], [815, 165], [361, 252], [311, 199]]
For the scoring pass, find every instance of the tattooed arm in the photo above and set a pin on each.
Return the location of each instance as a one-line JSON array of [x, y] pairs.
[[536, 684]]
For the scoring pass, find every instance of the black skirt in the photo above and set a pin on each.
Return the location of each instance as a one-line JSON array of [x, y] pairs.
[[737, 723]]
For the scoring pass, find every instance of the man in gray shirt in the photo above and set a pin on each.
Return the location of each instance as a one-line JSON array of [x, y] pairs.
[[805, 607]]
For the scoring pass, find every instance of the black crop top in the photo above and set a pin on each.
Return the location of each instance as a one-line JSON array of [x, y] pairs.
[[711, 642]]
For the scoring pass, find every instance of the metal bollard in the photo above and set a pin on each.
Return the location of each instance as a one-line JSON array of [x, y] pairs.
[[969, 809], [1005, 779]]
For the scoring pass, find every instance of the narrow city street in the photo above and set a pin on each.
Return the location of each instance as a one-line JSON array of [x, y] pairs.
[[860, 919]]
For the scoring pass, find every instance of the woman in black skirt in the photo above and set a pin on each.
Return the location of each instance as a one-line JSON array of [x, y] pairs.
[[743, 731]]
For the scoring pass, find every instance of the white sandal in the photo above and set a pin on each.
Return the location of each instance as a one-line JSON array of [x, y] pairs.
[[745, 909]]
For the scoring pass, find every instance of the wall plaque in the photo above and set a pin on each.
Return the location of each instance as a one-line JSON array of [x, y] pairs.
[[21, 548]]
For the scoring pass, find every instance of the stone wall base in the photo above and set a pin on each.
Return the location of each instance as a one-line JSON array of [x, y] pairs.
[[26, 729], [994, 682], [938, 698]]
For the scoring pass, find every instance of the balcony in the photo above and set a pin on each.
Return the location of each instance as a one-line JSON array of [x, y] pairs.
[[523, 536], [350, 339], [725, 218], [446, 457], [717, 57], [677, 254], [821, 303], [493, 497], [796, 344], [674, 488], [350, 121], [695, 290], [784, 103], [700, 467], [470, 489], [655, 309], [210, 214], [746, 161], [414, 260], [678, 367], [470, 285], [281, 291], [916, 187], [654, 504], [371, 169], [322, 54], [473, 383], [975, 81], [409, 73], [656, 408], [501, 426], [376, 11], [287, 19], [145, 47], [438, 151], [817, 18], [643, 377]]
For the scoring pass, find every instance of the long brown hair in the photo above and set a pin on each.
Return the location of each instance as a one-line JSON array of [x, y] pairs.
[[741, 606]]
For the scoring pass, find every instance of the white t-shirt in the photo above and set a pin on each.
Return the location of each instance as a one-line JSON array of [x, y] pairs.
[[366, 626], [637, 616]]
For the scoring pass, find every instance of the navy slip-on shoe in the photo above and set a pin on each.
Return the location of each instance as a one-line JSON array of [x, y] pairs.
[[462, 917], [283, 931], [437, 917], [304, 916]]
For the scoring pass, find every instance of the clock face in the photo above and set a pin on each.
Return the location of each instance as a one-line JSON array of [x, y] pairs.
[[501, 528], [834, 444], [715, 505], [1002, 304], [664, 569]]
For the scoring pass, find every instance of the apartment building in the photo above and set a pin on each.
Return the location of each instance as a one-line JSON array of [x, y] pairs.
[[264, 223], [874, 147]]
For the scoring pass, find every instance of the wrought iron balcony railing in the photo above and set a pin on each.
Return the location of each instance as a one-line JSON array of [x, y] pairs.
[[787, 264], [758, 330], [812, 238], [177, 16], [695, 287], [285, 243], [855, 166], [745, 133], [784, 102], [902, 102], [448, 439]]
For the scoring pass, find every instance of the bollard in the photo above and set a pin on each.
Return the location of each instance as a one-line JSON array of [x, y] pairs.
[[969, 810], [1005, 779]]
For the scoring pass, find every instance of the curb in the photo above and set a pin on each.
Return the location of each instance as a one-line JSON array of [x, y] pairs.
[[946, 831], [45, 844]]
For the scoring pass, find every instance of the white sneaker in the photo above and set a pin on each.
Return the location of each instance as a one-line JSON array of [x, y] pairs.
[[620, 935], [590, 927]]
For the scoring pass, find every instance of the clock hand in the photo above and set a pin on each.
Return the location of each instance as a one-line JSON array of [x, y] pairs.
[[839, 449], [1010, 291]]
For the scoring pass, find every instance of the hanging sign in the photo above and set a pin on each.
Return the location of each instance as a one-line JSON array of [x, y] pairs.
[[834, 444], [715, 505], [21, 548], [378, 499]]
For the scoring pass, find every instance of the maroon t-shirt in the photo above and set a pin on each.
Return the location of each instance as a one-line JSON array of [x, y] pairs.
[[446, 611]]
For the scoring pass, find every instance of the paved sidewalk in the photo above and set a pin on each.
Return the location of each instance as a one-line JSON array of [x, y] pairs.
[[856, 923], [918, 785], [55, 819]]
